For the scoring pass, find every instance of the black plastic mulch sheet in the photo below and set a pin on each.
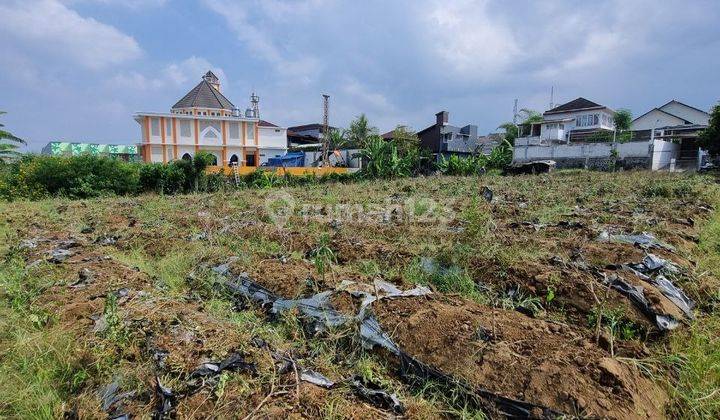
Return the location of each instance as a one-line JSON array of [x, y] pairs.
[[655, 270], [206, 374], [318, 309]]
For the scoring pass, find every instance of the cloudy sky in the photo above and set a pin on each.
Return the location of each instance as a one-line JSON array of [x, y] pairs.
[[77, 70]]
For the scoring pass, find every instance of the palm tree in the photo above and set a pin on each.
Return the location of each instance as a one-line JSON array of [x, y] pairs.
[[338, 138], [360, 130], [529, 116], [513, 131], [8, 143]]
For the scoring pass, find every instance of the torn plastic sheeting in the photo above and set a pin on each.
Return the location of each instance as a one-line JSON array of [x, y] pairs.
[[59, 255], [649, 270], [652, 262], [374, 394], [487, 194], [207, 373], [380, 289], [110, 396], [234, 362], [316, 378], [635, 294], [166, 400], [644, 240], [316, 307], [675, 295], [246, 287], [371, 334]]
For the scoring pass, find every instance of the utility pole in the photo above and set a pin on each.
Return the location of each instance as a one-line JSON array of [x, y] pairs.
[[552, 97], [326, 130]]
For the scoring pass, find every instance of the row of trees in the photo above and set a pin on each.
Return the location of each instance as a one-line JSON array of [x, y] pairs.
[[401, 155]]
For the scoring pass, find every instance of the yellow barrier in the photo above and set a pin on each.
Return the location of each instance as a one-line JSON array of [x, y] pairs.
[[297, 171]]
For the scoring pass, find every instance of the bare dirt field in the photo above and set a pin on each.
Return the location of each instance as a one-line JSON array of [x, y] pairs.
[[575, 294]]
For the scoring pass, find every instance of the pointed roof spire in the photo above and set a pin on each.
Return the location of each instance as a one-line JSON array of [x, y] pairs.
[[210, 77], [205, 95]]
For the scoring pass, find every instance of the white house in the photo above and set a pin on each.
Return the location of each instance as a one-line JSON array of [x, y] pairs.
[[672, 114], [678, 124], [205, 120], [574, 121]]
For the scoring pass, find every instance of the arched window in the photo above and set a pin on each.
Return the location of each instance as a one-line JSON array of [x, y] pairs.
[[186, 156], [234, 160]]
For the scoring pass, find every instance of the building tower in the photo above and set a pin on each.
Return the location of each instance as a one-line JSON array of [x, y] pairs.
[[212, 79], [255, 105]]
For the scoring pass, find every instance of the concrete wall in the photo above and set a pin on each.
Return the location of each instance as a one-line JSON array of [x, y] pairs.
[[587, 155], [663, 153]]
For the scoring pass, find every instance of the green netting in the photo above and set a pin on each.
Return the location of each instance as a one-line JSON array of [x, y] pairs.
[[58, 148]]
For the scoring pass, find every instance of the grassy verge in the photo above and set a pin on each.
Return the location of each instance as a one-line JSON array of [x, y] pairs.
[[40, 364], [695, 352]]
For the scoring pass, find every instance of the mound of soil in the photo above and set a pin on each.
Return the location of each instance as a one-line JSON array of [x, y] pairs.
[[519, 357]]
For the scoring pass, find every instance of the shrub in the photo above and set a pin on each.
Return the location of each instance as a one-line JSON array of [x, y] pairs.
[[385, 161], [74, 177], [457, 165]]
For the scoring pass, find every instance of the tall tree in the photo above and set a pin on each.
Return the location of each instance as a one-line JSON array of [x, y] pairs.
[[8, 144], [623, 119], [709, 138], [360, 131]]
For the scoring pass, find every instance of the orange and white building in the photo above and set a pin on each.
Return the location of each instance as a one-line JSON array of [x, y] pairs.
[[205, 120]]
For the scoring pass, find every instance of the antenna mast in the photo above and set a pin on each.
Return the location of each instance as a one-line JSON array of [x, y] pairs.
[[515, 112], [326, 129]]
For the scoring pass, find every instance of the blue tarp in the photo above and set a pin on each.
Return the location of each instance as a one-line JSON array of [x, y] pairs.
[[294, 159]]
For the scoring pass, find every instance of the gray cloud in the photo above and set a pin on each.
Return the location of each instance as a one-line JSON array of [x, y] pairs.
[[399, 62]]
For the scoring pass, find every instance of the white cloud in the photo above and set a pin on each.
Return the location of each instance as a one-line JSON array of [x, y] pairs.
[[298, 66], [365, 96], [51, 26], [185, 73], [469, 41], [190, 70], [282, 10], [130, 4]]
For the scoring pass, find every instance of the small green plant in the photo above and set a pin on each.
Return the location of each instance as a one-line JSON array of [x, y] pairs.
[[550, 295], [522, 301], [115, 329], [323, 257], [617, 325]]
